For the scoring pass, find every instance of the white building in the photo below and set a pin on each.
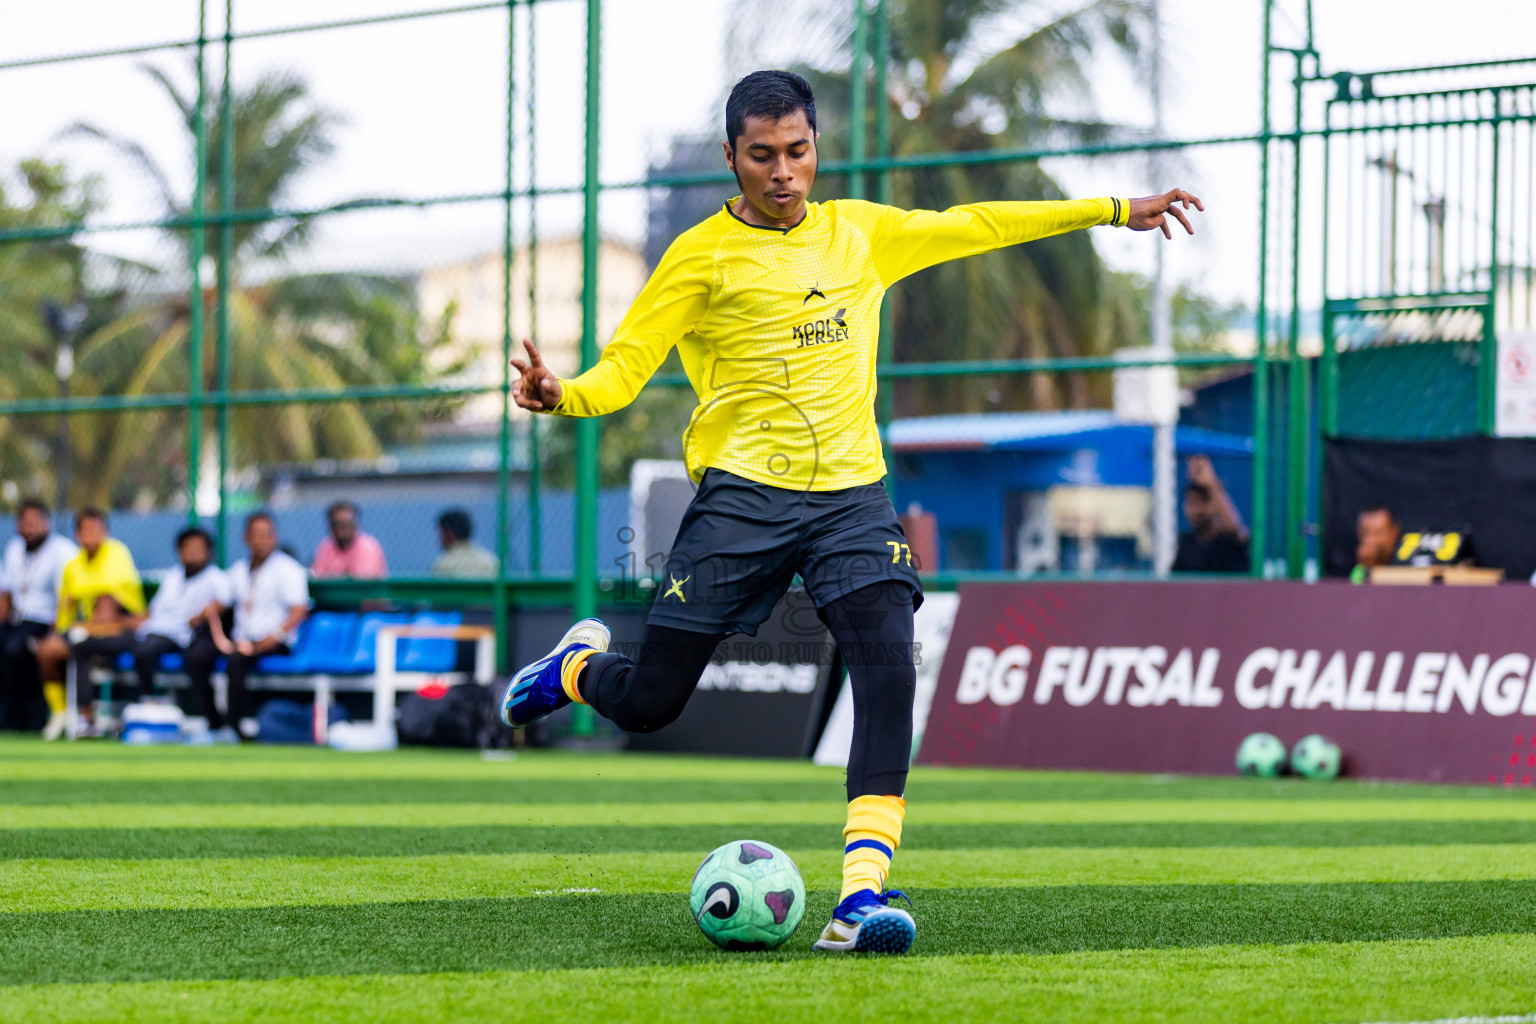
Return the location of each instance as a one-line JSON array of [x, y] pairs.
[[475, 286]]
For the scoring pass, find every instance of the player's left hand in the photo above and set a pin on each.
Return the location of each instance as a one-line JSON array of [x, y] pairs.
[[1150, 211]]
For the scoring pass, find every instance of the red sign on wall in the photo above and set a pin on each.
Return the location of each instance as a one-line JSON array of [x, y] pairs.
[[1434, 683]]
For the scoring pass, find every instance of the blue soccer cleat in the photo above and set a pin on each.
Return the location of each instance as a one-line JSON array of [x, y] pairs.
[[866, 923], [536, 690]]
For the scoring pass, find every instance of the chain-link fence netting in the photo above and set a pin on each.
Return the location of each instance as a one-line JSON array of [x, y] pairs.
[[280, 260]]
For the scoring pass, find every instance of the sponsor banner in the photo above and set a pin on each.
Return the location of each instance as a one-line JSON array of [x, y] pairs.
[[1431, 683], [760, 696]]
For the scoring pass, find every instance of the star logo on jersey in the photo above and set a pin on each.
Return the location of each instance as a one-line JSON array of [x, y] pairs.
[[814, 293], [676, 589]]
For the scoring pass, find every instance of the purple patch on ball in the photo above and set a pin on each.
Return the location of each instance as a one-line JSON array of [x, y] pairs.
[[779, 903], [751, 853]]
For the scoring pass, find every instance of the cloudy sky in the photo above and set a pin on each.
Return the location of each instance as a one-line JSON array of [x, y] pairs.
[[423, 103]]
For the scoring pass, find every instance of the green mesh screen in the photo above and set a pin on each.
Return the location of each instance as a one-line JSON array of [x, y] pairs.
[[1411, 391]]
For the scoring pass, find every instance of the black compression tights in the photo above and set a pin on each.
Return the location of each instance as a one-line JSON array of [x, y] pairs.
[[873, 629]]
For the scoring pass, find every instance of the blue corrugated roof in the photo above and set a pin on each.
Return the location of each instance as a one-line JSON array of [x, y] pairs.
[[1043, 431]]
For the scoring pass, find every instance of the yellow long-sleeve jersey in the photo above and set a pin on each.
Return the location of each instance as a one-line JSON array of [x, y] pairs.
[[778, 328], [110, 574]]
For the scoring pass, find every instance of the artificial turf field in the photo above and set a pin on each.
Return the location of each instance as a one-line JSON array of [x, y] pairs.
[[278, 884]]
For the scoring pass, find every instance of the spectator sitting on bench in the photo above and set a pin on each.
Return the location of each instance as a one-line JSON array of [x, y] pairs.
[[1377, 533], [31, 574], [462, 558], [348, 551], [271, 597], [100, 596], [178, 610]]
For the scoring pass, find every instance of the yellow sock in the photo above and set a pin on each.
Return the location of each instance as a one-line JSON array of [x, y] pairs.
[[53, 693], [872, 835], [573, 663]]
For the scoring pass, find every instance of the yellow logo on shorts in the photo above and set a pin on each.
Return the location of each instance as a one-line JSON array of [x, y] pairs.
[[677, 587]]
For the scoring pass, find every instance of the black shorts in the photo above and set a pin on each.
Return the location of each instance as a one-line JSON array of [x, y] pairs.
[[741, 543]]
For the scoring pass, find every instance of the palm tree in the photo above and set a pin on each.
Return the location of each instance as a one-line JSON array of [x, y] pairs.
[[287, 332], [36, 277], [961, 76]]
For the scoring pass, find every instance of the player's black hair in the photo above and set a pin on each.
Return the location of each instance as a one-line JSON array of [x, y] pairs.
[[771, 94], [34, 504], [1378, 506], [1198, 490], [258, 515], [342, 506], [194, 531], [456, 523], [90, 512]]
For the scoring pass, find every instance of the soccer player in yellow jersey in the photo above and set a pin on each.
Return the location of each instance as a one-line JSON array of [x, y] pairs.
[[774, 305]]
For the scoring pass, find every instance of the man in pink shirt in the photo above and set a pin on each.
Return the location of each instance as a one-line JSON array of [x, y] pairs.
[[348, 551]]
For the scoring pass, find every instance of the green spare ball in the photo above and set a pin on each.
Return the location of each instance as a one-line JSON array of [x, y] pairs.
[[1316, 757], [1261, 754]]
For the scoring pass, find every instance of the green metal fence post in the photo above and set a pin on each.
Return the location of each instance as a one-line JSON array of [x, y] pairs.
[[504, 440], [195, 314], [226, 264], [858, 104], [1328, 371], [1260, 538], [1296, 419], [887, 407], [1328, 365], [1488, 347], [535, 501], [585, 597]]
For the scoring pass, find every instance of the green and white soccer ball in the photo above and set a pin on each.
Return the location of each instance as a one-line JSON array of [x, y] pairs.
[[1316, 757], [747, 895], [1261, 754]]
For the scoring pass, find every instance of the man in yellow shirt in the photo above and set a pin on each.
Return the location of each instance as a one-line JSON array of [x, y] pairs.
[[100, 594], [774, 305]]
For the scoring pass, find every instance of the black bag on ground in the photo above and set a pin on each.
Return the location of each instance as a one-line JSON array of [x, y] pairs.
[[463, 716]]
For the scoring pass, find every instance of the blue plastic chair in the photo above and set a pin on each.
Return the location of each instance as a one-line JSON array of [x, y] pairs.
[[365, 649], [430, 654], [282, 664], [168, 662], [324, 647]]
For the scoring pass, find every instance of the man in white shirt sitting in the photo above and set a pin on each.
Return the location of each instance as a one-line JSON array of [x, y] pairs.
[[178, 611], [31, 571], [270, 592]]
